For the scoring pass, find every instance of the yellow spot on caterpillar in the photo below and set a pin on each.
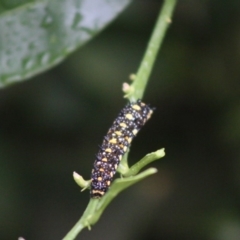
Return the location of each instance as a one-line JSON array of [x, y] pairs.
[[101, 170], [113, 140], [108, 183], [135, 131], [143, 104], [120, 157], [118, 133], [128, 139], [125, 148], [115, 166], [99, 179], [136, 107], [121, 145], [129, 116], [108, 150], [104, 159], [149, 114], [123, 125], [111, 174]]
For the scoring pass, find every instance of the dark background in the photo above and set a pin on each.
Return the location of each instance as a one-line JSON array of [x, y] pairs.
[[52, 124]]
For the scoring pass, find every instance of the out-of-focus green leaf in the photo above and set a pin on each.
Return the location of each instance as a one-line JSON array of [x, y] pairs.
[[36, 35]]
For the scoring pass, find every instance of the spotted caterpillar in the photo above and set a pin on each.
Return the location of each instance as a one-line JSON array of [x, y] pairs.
[[115, 144]]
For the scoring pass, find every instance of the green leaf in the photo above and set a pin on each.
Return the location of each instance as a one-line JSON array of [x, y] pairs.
[[36, 35]]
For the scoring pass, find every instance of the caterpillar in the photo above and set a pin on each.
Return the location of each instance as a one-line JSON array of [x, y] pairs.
[[115, 144]]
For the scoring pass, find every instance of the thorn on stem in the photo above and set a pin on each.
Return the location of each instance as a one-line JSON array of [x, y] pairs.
[[168, 20], [132, 77], [126, 87]]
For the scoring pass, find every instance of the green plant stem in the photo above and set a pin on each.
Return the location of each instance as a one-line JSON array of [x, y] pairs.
[[137, 167], [96, 206], [144, 71], [84, 221]]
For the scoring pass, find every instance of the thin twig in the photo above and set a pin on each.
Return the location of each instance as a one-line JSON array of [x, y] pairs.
[[96, 206], [138, 87]]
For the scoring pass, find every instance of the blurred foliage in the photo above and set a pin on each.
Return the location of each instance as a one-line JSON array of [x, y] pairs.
[[36, 35], [51, 126]]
